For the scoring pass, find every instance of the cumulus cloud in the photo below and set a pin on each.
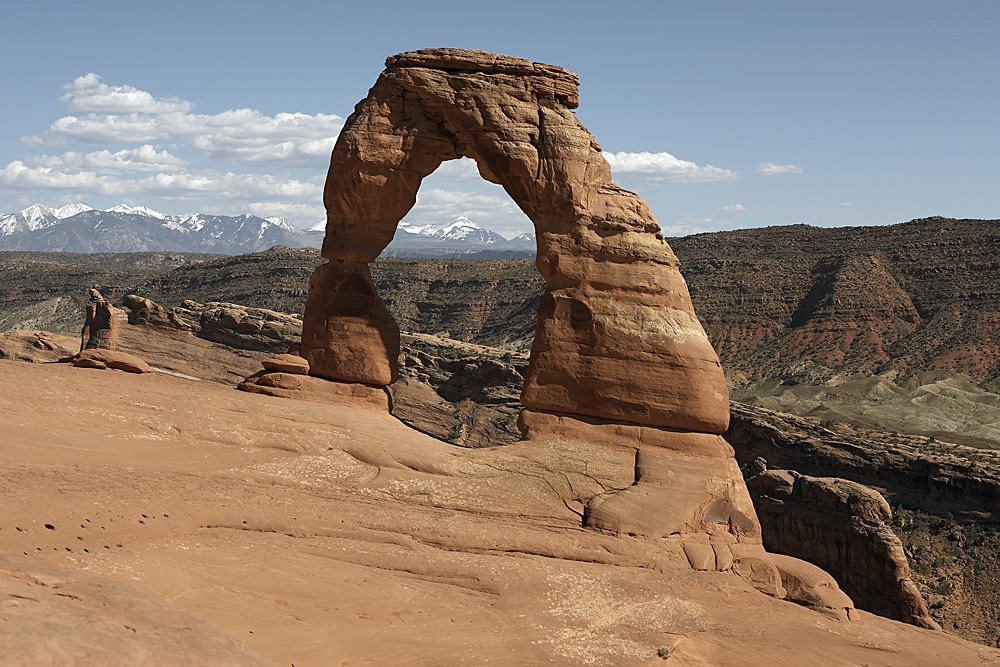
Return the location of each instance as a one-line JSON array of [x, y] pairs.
[[88, 93], [143, 158], [123, 114], [664, 167], [17, 176], [237, 136], [249, 190], [461, 170], [447, 204], [733, 207], [771, 169]]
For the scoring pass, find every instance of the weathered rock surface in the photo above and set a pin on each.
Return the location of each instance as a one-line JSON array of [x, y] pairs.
[[326, 534], [143, 311], [116, 359], [230, 324], [52, 616], [103, 321], [305, 387], [841, 526], [347, 334], [936, 483], [618, 337], [287, 363], [36, 346]]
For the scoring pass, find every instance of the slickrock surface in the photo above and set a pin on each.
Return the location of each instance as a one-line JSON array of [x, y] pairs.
[[617, 337], [320, 534], [37, 346], [53, 616]]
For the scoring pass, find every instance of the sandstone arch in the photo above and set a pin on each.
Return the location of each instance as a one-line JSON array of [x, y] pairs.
[[617, 336]]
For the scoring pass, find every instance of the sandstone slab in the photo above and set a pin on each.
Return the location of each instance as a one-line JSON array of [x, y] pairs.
[[287, 363], [116, 359]]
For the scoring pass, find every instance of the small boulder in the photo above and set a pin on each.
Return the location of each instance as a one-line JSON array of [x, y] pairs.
[[122, 361], [287, 363]]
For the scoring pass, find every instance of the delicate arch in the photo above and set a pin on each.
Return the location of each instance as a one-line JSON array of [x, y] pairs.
[[617, 336]]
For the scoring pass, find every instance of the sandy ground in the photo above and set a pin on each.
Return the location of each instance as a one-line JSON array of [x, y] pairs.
[[325, 534]]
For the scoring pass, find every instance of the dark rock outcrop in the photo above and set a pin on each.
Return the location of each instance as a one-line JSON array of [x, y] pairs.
[[937, 484], [842, 527]]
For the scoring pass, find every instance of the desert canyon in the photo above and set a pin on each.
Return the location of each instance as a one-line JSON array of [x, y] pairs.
[[154, 514]]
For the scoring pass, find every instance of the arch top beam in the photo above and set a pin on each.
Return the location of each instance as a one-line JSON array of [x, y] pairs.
[[617, 336]]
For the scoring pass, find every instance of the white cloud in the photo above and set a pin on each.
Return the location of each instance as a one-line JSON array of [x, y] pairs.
[[734, 207], [88, 93], [689, 226], [250, 191], [460, 170], [771, 169], [237, 136], [846, 203], [664, 167], [123, 114], [18, 176], [143, 158]]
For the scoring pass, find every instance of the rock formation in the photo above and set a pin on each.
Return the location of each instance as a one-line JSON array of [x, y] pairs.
[[116, 359], [619, 357], [146, 312], [231, 324], [617, 337], [100, 330], [842, 527]]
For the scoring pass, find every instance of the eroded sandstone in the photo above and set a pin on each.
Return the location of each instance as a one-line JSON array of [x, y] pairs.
[[617, 336]]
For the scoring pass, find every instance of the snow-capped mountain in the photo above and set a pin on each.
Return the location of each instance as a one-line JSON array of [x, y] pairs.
[[38, 216], [125, 228], [459, 229], [136, 210], [459, 238]]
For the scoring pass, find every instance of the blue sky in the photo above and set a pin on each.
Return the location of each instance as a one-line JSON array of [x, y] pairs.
[[721, 115]]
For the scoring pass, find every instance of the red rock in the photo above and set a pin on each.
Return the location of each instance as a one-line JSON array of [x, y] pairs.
[[101, 328], [617, 335], [122, 361], [287, 363], [317, 390]]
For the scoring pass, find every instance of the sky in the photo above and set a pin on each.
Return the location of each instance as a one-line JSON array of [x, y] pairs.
[[722, 115]]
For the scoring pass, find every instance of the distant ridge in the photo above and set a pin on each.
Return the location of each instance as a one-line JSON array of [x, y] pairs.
[[126, 228]]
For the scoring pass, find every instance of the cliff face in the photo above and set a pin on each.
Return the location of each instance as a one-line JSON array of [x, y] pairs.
[[943, 534], [842, 526], [911, 471]]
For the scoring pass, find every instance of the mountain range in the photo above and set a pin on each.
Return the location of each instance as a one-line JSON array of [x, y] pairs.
[[125, 228]]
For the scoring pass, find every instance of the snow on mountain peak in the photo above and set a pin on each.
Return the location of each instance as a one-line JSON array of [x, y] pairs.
[[36, 216], [136, 210], [281, 223], [69, 210], [461, 222]]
